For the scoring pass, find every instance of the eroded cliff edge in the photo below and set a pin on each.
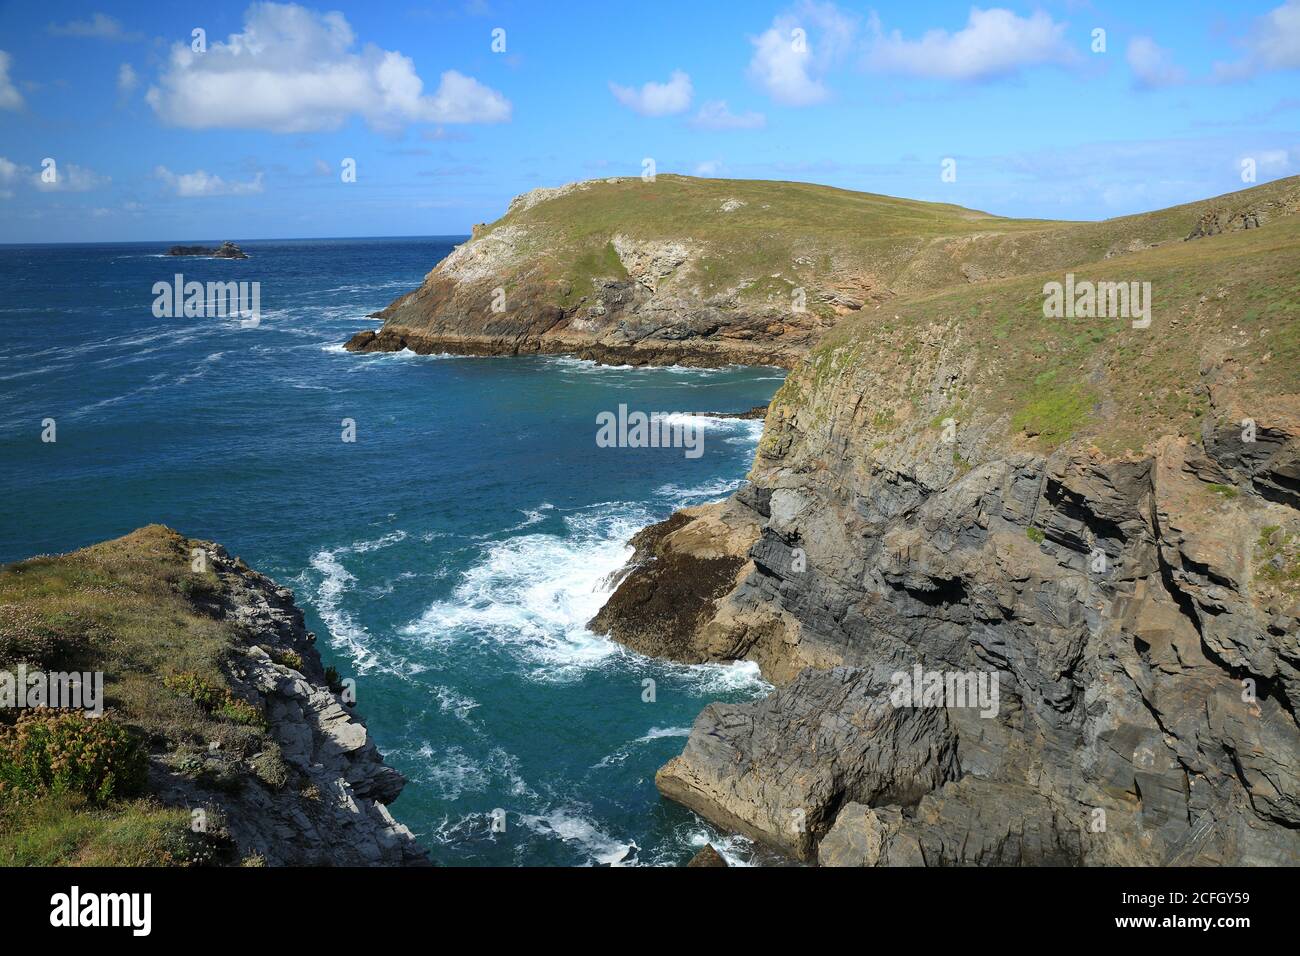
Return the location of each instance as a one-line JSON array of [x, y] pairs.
[[1105, 517], [712, 272], [253, 752]]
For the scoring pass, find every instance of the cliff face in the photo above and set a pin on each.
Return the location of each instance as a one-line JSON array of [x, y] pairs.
[[320, 797], [716, 272], [1103, 518], [251, 754]]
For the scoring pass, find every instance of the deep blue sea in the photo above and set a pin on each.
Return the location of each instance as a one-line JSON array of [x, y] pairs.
[[448, 559]]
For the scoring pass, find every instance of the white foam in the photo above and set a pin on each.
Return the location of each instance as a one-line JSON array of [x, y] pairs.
[[336, 580], [654, 733], [733, 677], [576, 830], [534, 594], [658, 733], [713, 490], [733, 848]]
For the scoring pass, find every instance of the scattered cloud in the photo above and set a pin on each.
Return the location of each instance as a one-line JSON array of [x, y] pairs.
[[99, 26], [293, 70], [710, 167], [10, 98], [1152, 65], [714, 114], [201, 183], [993, 43], [127, 80], [1272, 44], [657, 99], [443, 135], [1271, 163], [795, 52], [69, 178], [9, 170]]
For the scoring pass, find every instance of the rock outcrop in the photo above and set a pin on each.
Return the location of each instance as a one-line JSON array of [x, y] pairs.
[[1096, 602], [247, 749], [227, 250], [321, 798], [708, 857]]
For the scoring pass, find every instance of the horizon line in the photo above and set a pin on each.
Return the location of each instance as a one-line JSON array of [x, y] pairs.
[[146, 242]]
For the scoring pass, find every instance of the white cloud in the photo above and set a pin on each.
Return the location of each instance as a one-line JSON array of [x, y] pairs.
[[201, 183], [1273, 44], [9, 170], [657, 99], [1271, 163], [10, 98], [1152, 65], [792, 55], [714, 114], [70, 178], [127, 80], [993, 43], [292, 70], [100, 26], [710, 167]]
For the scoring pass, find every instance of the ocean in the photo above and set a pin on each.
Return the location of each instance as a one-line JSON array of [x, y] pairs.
[[448, 558]]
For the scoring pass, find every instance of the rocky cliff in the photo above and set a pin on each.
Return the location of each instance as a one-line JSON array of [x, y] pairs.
[[254, 753], [1077, 539], [711, 272]]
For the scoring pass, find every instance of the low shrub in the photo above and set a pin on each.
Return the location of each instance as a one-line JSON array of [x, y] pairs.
[[68, 752], [215, 701]]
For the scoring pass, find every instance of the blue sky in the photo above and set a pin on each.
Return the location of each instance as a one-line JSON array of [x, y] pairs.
[[245, 139]]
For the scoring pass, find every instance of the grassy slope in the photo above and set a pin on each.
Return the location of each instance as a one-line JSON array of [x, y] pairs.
[[1234, 296], [133, 609], [790, 234]]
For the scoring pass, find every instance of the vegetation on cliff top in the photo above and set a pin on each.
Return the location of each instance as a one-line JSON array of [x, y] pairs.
[[1231, 299], [134, 610], [762, 238]]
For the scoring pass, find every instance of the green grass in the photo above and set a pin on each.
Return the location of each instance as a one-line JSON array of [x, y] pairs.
[[798, 234], [1053, 414], [1277, 561], [133, 609], [68, 830], [1053, 381]]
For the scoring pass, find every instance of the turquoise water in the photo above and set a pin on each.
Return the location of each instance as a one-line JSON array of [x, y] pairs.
[[448, 558]]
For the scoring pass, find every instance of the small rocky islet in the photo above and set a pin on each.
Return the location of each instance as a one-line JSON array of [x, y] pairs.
[[227, 250]]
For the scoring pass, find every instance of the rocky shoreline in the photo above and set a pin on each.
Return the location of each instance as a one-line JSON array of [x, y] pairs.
[[329, 805], [699, 354], [244, 748], [1147, 711]]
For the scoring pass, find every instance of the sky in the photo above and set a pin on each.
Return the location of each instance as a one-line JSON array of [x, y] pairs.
[[132, 121]]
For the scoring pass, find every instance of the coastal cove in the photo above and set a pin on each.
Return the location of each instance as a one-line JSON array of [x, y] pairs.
[[448, 559]]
